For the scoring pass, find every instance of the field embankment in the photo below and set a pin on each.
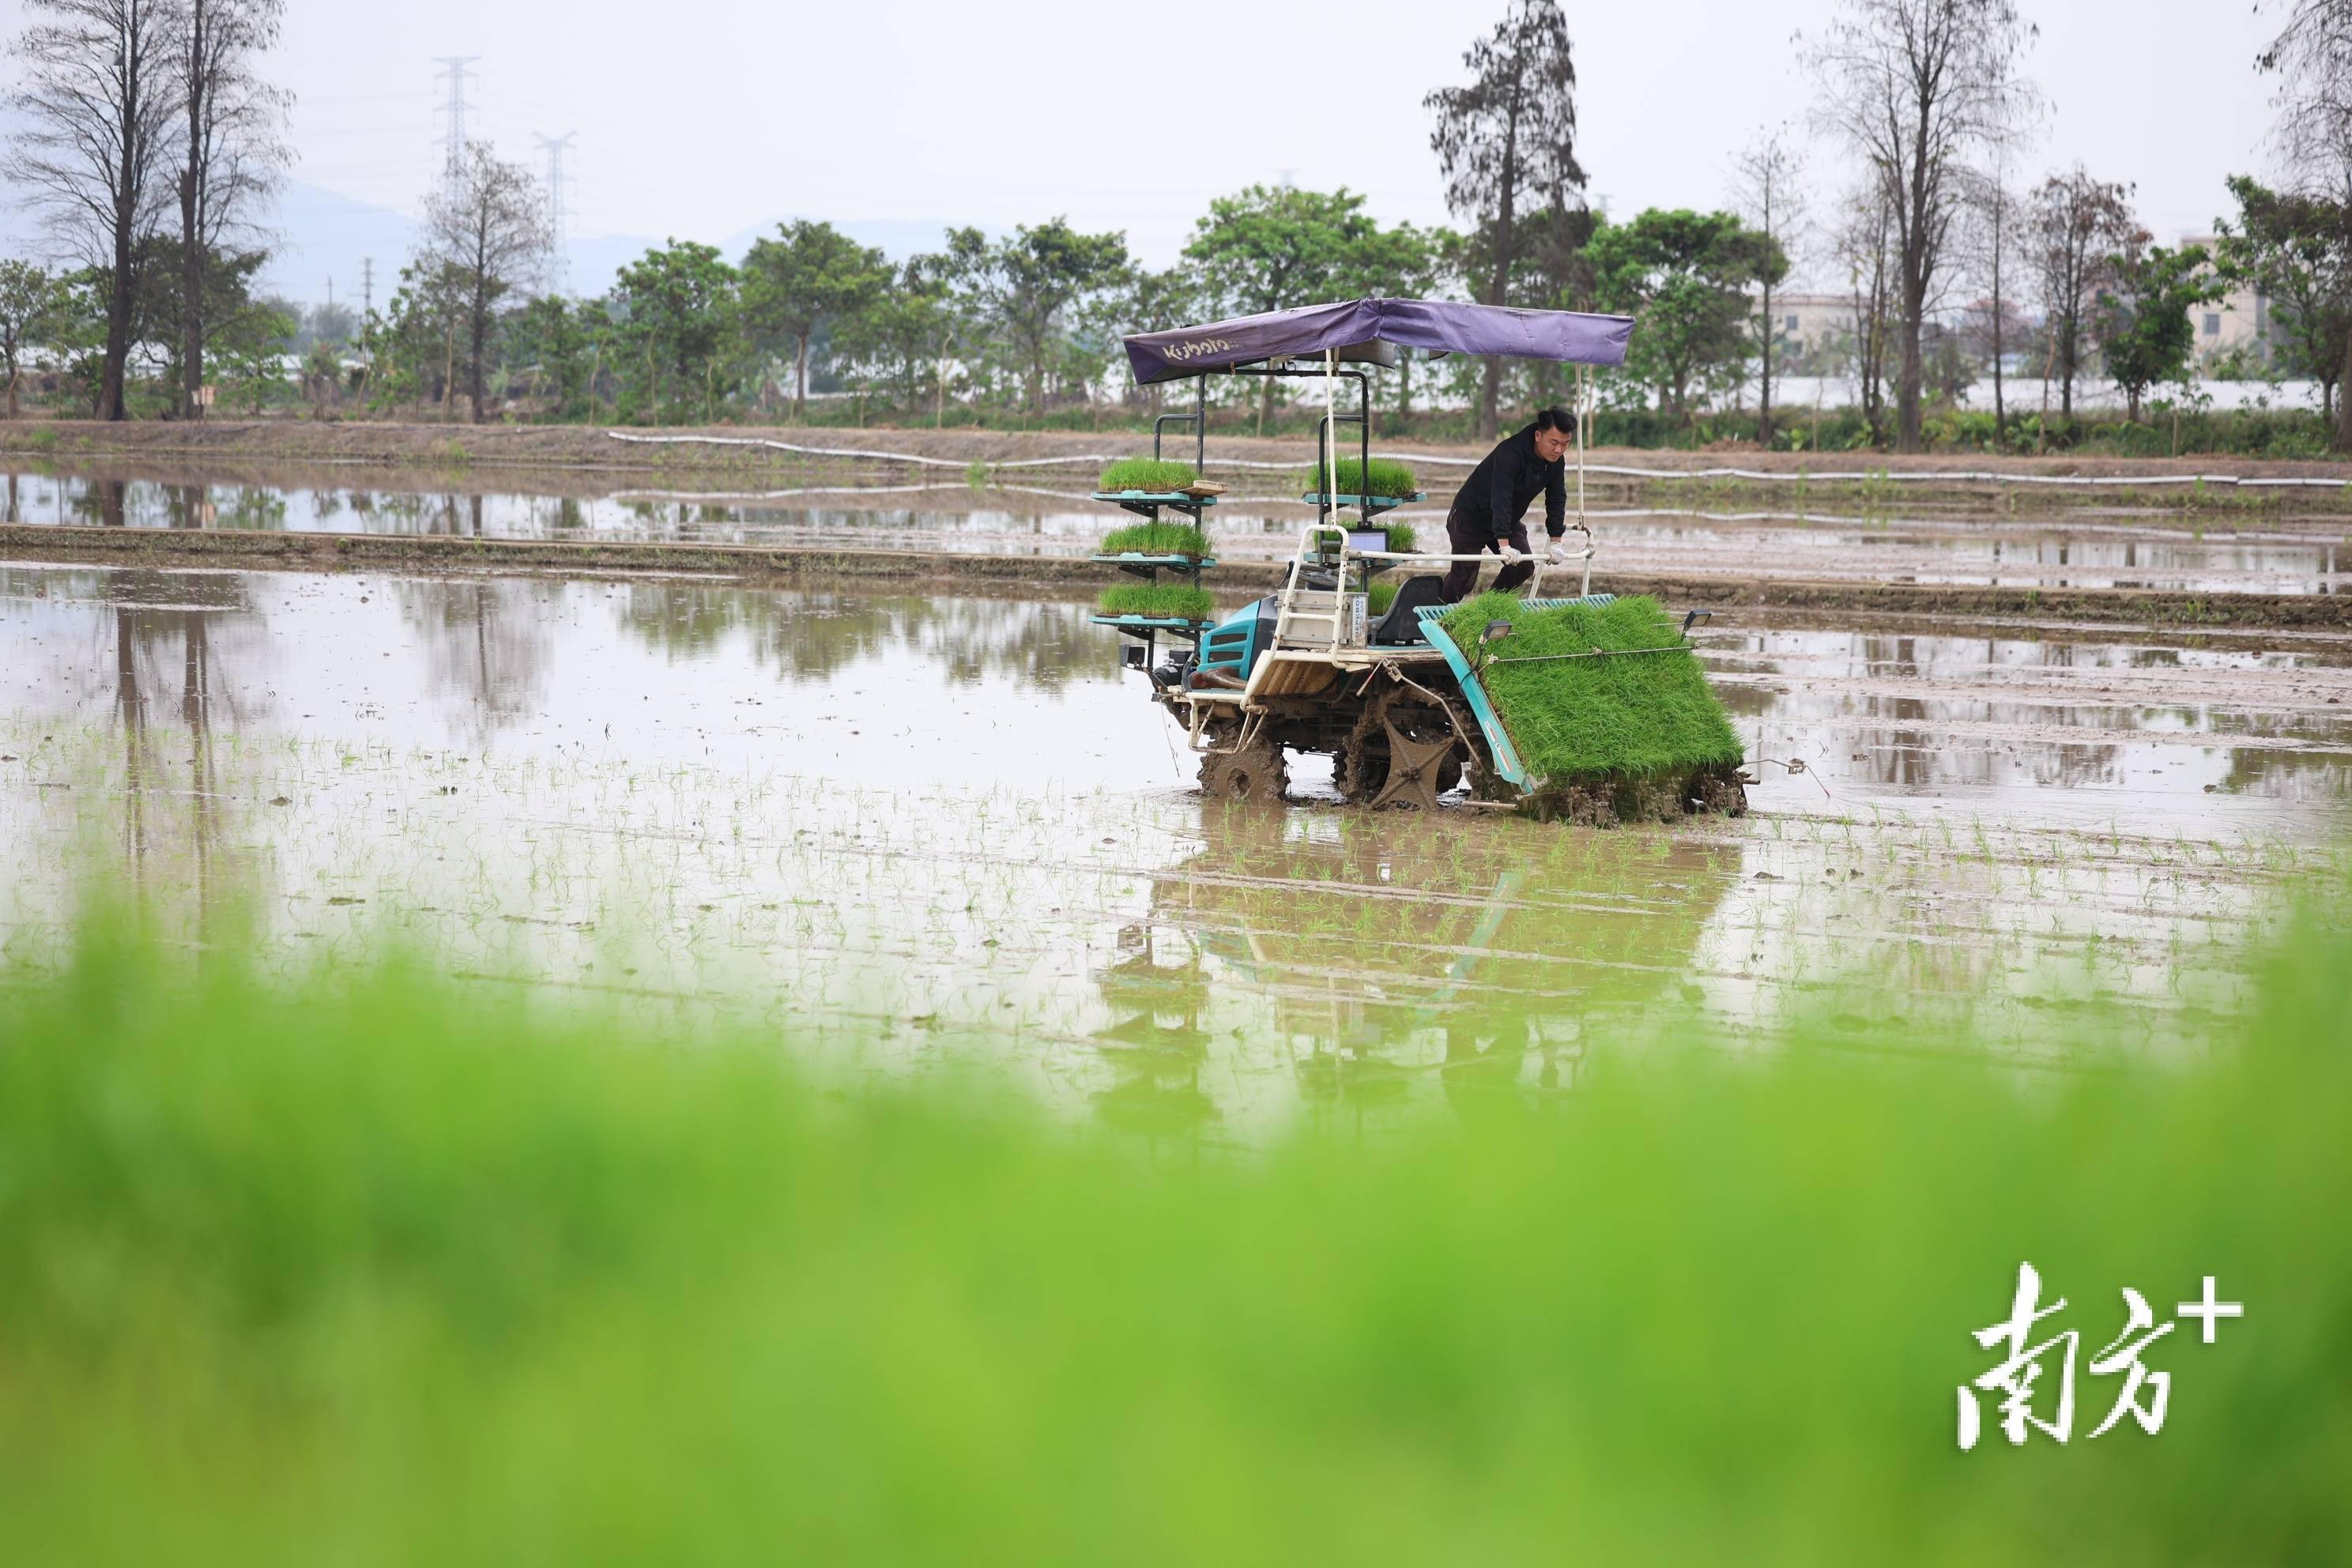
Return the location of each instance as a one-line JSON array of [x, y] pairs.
[[1665, 478], [1056, 576]]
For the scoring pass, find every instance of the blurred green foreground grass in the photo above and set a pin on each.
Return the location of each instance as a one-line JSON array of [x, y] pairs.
[[364, 1271]]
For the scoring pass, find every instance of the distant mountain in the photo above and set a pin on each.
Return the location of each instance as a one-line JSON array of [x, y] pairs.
[[320, 235]]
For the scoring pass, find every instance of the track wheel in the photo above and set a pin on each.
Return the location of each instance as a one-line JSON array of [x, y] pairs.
[[1255, 773]]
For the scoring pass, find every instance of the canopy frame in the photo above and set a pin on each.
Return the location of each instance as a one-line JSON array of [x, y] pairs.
[[1312, 332]]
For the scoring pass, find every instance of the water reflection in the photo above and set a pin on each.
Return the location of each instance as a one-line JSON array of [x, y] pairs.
[[2054, 717], [167, 691], [1054, 517], [816, 635], [1492, 953], [487, 644], [909, 688]]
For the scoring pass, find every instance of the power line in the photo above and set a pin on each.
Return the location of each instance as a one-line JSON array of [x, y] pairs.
[[454, 68], [559, 231]]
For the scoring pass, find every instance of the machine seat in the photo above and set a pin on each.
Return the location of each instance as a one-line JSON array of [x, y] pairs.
[[1401, 625]]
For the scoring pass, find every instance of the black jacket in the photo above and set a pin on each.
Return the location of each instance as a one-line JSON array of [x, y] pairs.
[[1499, 490]]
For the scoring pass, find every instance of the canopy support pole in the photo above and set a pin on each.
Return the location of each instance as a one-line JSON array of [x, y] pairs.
[[1331, 484], [1583, 415]]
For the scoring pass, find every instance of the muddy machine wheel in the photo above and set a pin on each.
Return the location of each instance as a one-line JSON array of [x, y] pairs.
[[1255, 773], [1398, 754]]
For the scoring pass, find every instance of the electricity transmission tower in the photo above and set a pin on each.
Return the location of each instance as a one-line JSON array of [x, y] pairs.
[[559, 280], [453, 67]]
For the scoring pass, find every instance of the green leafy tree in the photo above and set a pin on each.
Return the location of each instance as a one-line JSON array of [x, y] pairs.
[[902, 339], [1415, 264], [1687, 276], [2297, 249], [679, 308], [557, 344], [2145, 332], [1276, 247], [223, 279], [322, 376], [1025, 290], [810, 276], [251, 353], [1150, 300], [1553, 272], [413, 340], [31, 302]]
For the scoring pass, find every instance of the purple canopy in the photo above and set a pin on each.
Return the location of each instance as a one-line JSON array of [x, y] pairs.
[[1412, 324]]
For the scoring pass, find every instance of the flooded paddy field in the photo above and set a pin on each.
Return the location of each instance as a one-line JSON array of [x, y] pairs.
[[1047, 514], [945, 834]]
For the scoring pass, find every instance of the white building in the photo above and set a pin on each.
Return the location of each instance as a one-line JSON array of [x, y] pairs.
[[2239, 320]]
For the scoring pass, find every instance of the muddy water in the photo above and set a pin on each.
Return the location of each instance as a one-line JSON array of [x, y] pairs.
[[1051, 516], [958, 817], [946, 692]]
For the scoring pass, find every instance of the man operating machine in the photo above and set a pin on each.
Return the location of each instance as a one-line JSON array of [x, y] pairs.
[[1489, 512]]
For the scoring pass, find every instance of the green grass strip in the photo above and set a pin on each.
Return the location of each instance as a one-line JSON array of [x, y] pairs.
[[1148, 475], [1157, 538], [1582, 718], [1160, 601], [366, 1265]]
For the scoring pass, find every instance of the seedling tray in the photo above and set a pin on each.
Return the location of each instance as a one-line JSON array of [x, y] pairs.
[[1377, 504]]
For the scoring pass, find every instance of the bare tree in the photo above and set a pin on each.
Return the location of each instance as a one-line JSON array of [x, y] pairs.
[[2312, 57], [2077, 226], [232, 145], [1865, 247], [487, 233], [1990, 241], [1913, 87], [1507, 143], [1768, 188], [98, 110]]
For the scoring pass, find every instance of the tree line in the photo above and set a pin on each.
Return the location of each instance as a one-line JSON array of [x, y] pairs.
[[1937, 247]]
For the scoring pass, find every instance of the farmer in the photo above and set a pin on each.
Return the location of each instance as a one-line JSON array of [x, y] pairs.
[[1489, 511]]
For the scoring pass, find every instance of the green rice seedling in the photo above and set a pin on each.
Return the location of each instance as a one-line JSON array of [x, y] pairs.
[[1160, 601], [1380, 594], [1575, 716], [1157, 538], [1147, 475], [1402, 538], [1388, 477]]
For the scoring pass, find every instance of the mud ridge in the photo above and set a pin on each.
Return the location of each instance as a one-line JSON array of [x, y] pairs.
[[1234, 581]]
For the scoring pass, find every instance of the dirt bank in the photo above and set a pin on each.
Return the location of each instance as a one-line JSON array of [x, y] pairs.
[[1056, 574], [1671, 475]]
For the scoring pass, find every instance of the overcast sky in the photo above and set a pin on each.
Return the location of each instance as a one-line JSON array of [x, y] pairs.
[[698, 117]]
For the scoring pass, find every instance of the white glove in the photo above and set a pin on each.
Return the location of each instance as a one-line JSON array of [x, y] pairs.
[[1507, 550], [1558, 555]]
